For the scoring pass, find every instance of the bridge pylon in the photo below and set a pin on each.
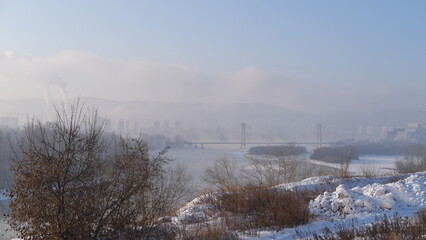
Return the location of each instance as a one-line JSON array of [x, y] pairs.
[[319, 135], [243, 135]]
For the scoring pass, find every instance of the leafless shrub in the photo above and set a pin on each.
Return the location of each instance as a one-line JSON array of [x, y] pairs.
[[414, 161], [267, 171], [224, 174], [262, 170], [369, 170], [307, 169], [68, 184], [344, 169]]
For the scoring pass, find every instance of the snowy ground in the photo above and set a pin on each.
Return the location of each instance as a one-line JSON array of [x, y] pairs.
[[380, 165], [344, 202]]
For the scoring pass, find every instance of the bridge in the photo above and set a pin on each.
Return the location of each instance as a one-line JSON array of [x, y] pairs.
[[243, 145], [244, 142]]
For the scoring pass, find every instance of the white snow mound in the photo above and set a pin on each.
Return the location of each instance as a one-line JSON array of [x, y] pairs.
[[407, 194]]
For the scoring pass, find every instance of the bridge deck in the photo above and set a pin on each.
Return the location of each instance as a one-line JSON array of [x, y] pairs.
[[263, 143]]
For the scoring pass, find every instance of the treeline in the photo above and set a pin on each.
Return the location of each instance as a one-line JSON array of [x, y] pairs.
[[335, 154], [387, 148], [8, 137], [282, 150], [345, 152]]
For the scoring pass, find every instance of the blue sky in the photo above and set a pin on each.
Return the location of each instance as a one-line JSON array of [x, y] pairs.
[[296, 46]]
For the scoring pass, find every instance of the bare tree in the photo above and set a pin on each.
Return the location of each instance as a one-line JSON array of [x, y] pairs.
[[70, 184]]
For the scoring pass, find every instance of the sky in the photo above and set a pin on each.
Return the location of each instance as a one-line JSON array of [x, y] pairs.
[[304, 55]]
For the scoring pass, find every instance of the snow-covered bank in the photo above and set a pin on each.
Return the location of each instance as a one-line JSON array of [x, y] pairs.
[[377, 164], [341, 202]]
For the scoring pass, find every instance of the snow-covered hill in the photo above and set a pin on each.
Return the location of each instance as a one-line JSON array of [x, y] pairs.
[[341, 202]]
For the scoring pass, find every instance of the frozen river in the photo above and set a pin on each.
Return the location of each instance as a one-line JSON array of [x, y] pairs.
[[196, 160]]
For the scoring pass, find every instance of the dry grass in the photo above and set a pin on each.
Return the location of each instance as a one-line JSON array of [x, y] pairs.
[[251, 208], [205, 231], [208, 232], [396, 228]]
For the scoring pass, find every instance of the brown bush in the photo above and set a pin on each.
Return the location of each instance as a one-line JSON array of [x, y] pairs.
[[255, 207], [68, 184]]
